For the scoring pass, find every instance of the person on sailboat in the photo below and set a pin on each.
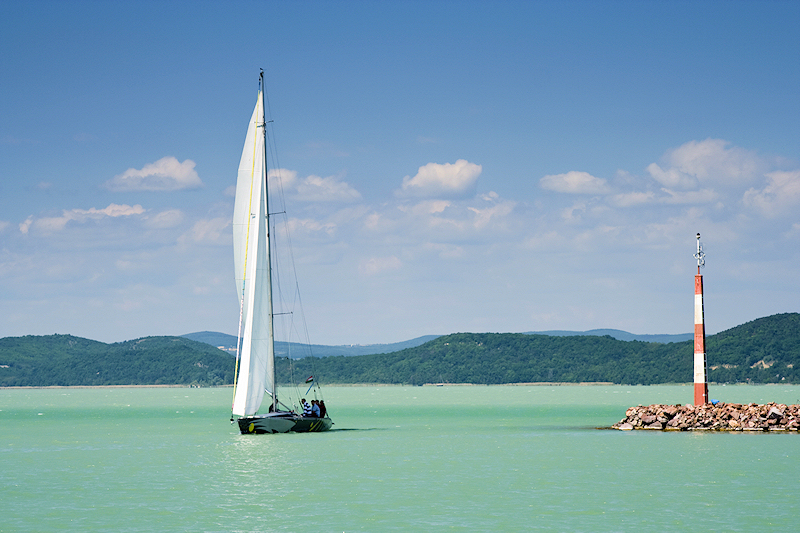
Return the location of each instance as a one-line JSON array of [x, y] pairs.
[[322, 410], [306, 407], [315, 408]]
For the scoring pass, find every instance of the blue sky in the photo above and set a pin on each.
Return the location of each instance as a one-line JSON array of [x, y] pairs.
[[448, 166]]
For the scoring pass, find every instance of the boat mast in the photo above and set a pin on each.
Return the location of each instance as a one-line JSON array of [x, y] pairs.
[[270, 314]]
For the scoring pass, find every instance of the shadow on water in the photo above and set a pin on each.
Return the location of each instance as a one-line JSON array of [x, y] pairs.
[[261, 435], [695, 431], [357, 429], [571, 428]]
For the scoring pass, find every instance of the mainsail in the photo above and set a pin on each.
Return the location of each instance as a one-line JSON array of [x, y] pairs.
[[251, 263]]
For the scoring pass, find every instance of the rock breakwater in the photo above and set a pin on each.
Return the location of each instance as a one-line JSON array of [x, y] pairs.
[[719, 417]]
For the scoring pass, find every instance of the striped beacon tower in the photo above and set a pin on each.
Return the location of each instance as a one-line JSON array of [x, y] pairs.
[[700, 373]]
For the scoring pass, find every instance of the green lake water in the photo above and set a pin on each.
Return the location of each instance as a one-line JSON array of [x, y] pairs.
[[500, 458]]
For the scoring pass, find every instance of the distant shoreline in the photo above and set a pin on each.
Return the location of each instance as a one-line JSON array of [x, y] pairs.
[[113, 387], [531, 384], [527, 384]]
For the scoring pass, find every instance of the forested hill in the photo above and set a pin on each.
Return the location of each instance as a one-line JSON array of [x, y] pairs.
[[766, 350], [62, 360]]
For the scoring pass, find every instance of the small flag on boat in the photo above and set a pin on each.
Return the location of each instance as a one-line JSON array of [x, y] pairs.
[[309, 379]]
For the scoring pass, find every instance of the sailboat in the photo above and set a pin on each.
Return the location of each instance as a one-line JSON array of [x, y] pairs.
[[254, 379]]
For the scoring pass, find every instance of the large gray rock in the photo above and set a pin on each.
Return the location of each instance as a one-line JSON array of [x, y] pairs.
[[720, 417]]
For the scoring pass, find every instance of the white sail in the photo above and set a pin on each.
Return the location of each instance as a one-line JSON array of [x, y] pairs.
[[252, 272]]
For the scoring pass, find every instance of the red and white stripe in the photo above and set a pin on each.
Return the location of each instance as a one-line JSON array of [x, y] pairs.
[[700, 373]]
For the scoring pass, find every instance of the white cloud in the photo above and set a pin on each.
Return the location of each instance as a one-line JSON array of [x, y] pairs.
[[430, 214], [671, 177], [697, 162], [781, 193], [380, 222], [574, 182], [165, 219], [497, 211], [428, 207], [209, 231], [793, 232], [312, 188], [574, 213], [51, 224], [330, 189], [113, 210], [308, 226], [373, 220], [444, 219], [697, 172], [166, 174], [632, 198], [702, 196], [281, 177], [710, 160], [434, 179], [25, 226], [376, 265]]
